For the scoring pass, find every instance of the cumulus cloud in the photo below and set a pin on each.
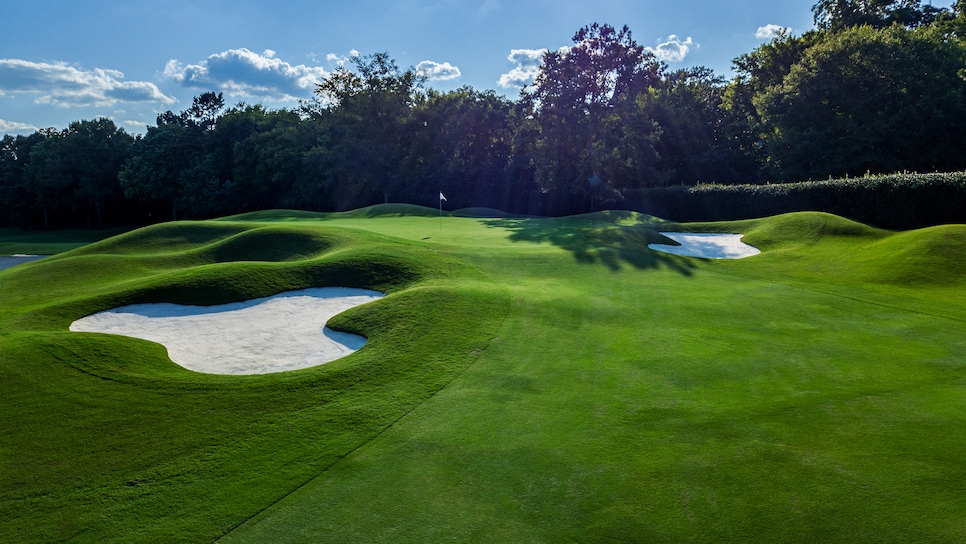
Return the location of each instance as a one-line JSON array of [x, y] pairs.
[[137, 126], [244, 73], [768, 32], [13, 127], [672, 50], [60, 84], [338, 60], [527, 62], [435, 71]]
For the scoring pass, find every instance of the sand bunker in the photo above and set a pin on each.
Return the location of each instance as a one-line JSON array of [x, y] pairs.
[[274, 334], [707, 245]]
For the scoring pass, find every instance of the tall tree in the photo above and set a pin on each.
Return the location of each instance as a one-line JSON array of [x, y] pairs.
[[184, 163], [46, 177], [267, 149], [95, 152], [205, 109], [460, 143], [841, 14], [700, 140], [155, 173], [364, 115], [77, 169], [17, 199], [868, 100], [591, 132]]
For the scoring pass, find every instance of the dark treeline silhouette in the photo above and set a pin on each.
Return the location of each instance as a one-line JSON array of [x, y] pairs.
[[875, 88]]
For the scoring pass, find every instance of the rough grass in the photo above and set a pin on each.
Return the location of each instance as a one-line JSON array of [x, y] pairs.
[[14, 241], [526, 379]]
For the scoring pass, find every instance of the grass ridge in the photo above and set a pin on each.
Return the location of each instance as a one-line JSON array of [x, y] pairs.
[[571, 385]]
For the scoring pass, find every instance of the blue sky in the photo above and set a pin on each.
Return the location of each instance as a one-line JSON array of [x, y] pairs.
[[62, 61]]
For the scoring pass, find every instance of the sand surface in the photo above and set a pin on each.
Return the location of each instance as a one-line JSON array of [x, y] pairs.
[[274, 334], [707, 245]]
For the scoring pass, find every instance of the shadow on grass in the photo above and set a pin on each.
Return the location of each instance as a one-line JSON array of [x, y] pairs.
[[593, 242]]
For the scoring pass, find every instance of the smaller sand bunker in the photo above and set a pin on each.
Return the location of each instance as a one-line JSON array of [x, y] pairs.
[[706, 245], [261, 336]]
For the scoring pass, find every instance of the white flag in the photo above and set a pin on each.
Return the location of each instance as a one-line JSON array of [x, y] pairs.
[[441, 197]]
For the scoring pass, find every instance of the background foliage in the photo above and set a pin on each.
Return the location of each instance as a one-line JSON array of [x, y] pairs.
[[876, 88], [897, 201]]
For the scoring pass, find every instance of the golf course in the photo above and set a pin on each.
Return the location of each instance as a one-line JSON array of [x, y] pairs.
[[524, 379]]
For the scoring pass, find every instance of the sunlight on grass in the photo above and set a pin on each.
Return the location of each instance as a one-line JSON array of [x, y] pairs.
[[526, 379]]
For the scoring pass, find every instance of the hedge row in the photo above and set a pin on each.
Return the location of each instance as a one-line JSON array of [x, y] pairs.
[[897, 201]]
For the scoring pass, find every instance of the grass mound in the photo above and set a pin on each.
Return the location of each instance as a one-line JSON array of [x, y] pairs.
[[275, 215], [854, 251], [481, 213], [931, 256], [274, 244], [14, 241], [163, 238], [153, 441], [791, 230], [377, 210], [389, 210], [526, 379], [622, 217]]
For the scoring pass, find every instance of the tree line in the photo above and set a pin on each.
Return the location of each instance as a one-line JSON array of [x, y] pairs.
[[877, 87]]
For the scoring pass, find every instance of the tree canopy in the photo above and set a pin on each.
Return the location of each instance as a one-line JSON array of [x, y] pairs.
[[841, 14], [877, 87], [593, 136]]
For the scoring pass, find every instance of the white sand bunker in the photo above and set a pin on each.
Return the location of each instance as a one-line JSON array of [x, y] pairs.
[[274, 334], [707, 245]]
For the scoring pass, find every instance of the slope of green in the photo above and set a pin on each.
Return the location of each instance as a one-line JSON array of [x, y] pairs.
[[920, 270], [482, 212], [14, 241], [932, 256], [378, 210], [526, 379]]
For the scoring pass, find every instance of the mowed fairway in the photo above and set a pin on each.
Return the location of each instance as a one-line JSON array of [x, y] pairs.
[[525, 380]]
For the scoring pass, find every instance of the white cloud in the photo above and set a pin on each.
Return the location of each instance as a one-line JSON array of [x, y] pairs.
[[672, 50], [527, 62], [769, 32], [435, 71], [60, 84], [338, 60], [137, 126], [13, 127], [244, 73], [518, 77], [527, 57]]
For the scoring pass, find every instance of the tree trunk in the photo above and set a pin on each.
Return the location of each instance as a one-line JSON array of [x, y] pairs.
[[98, 211]]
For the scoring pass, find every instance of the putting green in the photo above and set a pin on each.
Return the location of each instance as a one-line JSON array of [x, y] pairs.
[[525, 379]]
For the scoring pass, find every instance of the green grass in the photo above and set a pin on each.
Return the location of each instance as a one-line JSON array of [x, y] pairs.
[[526, 380], [14, 241]]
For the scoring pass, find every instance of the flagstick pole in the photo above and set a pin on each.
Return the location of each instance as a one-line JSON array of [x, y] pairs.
[[441, 199]]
